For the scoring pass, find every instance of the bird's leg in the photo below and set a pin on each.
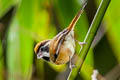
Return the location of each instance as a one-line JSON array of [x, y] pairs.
[[70, 63], [80, 43]]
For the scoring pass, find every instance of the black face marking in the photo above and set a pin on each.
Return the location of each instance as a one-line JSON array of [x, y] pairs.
[[42, 44], [46, 58], [45, 49]]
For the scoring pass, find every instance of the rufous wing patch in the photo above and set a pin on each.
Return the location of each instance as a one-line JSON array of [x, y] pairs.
[[64, 55]]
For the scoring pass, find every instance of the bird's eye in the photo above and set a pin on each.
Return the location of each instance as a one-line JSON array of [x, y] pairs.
[[45, 49], [42, 49]]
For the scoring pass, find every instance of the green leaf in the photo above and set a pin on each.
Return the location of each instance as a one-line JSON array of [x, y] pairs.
[[13, 52], [1, 63], [113, 27], [20, 44], [89, 37], [5, 5]]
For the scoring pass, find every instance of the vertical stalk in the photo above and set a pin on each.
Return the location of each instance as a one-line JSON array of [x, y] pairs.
[[1, 62], [89, 38]]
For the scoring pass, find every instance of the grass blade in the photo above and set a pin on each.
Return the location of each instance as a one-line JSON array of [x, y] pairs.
[[89, 37], [1, 63]]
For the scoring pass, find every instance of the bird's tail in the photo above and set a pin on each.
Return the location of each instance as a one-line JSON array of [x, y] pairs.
[[75, 19]]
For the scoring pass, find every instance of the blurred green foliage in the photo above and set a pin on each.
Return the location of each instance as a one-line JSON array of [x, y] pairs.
[[1, 63], [113, 28], [36, 20]]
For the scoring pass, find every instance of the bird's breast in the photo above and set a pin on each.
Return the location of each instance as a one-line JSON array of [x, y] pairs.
[[70, 42]]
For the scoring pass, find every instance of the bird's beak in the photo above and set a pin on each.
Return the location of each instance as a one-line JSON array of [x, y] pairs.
[[39, 55]]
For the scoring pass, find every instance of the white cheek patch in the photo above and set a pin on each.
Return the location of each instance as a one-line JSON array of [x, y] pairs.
[[45, 54], [39, 56]]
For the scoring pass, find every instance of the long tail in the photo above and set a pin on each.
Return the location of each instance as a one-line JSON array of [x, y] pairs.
[[75, 19]]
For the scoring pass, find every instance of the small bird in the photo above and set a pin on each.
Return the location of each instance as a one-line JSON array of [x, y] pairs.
[[61, 48]]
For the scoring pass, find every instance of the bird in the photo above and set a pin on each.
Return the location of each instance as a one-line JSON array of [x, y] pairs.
[[61, 48]]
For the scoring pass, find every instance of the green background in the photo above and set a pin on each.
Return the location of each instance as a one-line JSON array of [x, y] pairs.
[[23, 23]]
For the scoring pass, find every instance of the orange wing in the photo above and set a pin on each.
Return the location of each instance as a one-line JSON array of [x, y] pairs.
[[55, 44], [64, 55]]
